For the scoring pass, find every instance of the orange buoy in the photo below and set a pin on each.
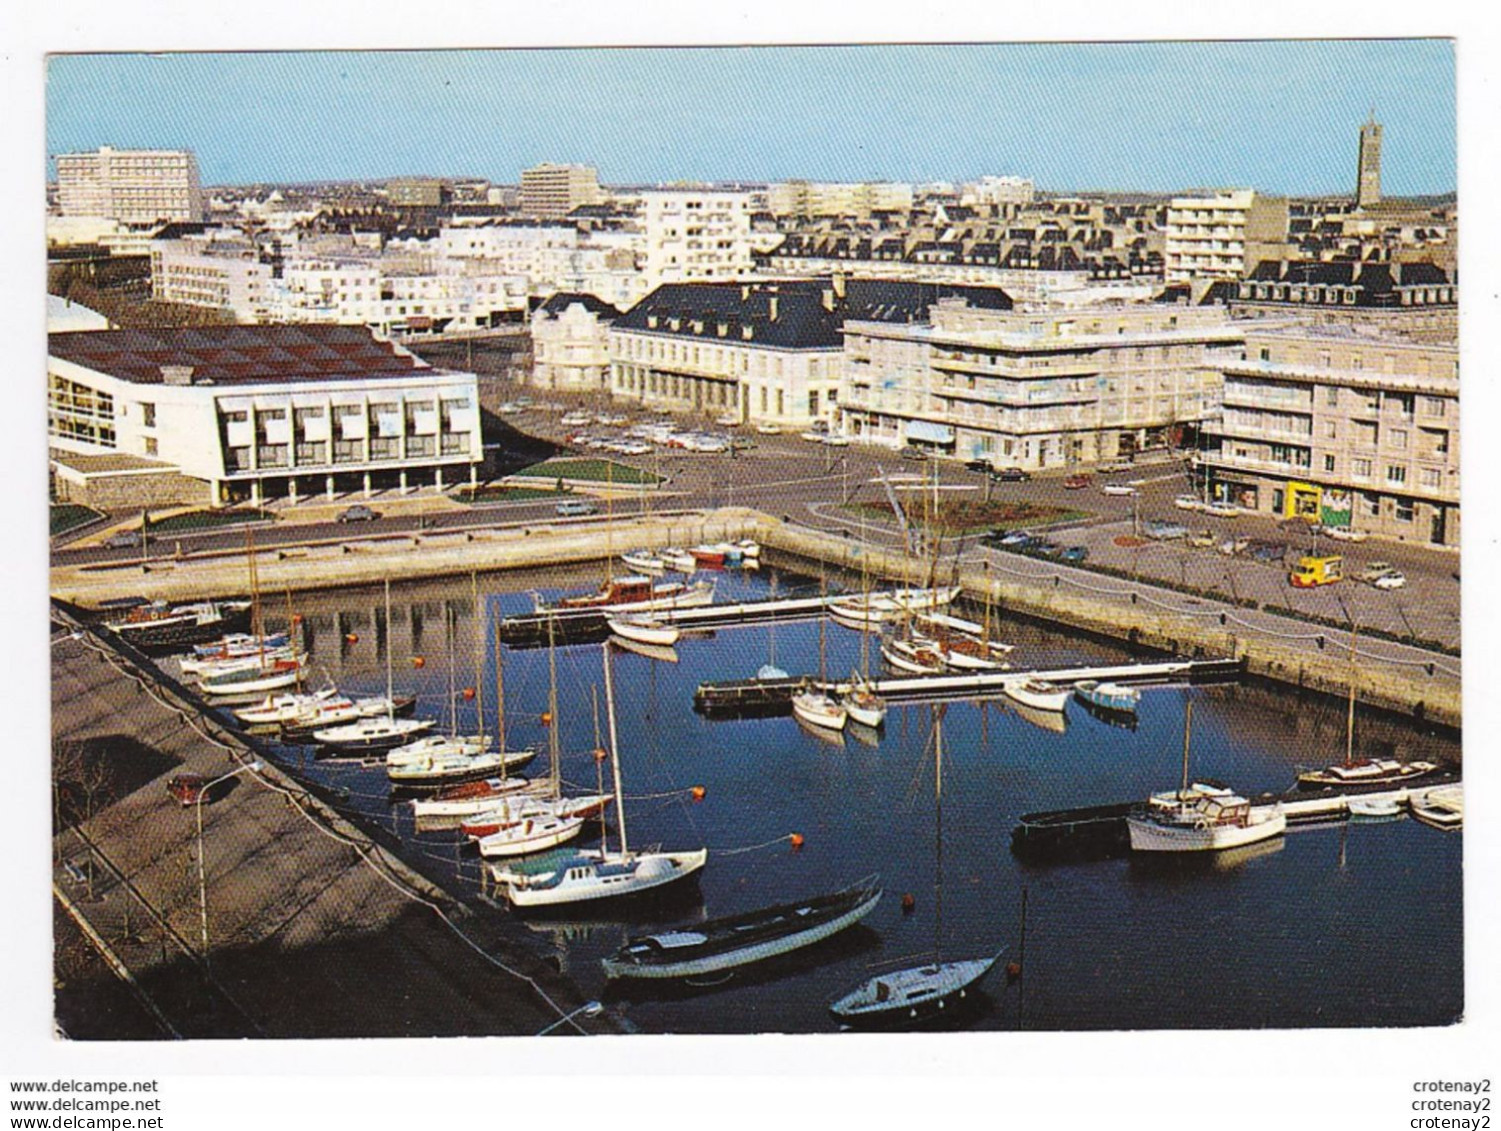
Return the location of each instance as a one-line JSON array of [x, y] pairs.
[[352, 638], [1013, 971], [797, 841], [600, 753], [296, 618], [547, 718], [468, 693], [698, 792], [419, 662], [909, 903]]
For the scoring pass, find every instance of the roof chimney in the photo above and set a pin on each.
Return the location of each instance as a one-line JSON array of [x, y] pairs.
[[177, 374]]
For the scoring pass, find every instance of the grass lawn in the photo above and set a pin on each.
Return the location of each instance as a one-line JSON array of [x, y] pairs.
[[63, 517], [502, 494], [208, 519], [591, 470], [973, 516]]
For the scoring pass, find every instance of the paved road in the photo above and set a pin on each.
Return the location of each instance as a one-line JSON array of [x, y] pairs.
[[807, 483]]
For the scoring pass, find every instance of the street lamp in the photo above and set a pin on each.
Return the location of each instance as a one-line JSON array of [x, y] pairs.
[[202, 884], [588, 1009]]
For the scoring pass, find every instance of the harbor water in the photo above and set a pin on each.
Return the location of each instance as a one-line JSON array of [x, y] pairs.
[[1351, 924]]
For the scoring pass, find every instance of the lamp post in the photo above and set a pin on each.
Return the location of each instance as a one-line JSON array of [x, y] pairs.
[[588, 1009], [202, 883]]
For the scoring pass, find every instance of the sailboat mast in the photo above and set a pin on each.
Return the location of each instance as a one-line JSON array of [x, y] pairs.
[[1188, 722], [555, 776], [938, 831], [453, 699], [599, 770], [479, 658], [390, 703], [1350, 719], [500, 703], [614, 750]]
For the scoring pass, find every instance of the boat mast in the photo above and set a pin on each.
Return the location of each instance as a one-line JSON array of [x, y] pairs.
[[1350, 718], [614, 750], [390, 703], [479, 658], [1188, 722], [938, 832], [453, 699], [500, 710], [599, 770], [555, 775]]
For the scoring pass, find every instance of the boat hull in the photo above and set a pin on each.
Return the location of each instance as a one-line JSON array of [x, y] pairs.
[[1052, 700], [820, 711], [654, 871], [914, 996], [1151, 836]]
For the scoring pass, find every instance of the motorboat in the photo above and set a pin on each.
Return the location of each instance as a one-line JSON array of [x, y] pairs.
[[1105, 696], [739, 940], [644, 629], [1198, 820], [240, 644], [1367, 773], [592, 874], [638, 594], [1037, 693]]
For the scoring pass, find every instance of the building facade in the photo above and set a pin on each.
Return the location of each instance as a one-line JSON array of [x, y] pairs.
[[257, 411], [556, 190], [837, 198], [418, 192], [132, 186], [696, 235], [571, 343], [1223, 236], [1368, 175], [1039, 387], [1341, 428]]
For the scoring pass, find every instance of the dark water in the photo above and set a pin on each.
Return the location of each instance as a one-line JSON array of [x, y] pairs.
[[1353, 925]]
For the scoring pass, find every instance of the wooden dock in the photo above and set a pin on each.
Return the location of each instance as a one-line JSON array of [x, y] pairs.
[[587, 626], [774, 696]]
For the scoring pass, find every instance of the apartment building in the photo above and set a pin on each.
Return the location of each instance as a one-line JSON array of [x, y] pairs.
[[418, 192], [837, 198], [764, 352], [1342, 428], [1223, 236], [237, 411], [131, 186], [999, 191], [231, 278], [698, 235], [556, 190], [1036, 387], [1416, 300], [554, 257], [571, 343]]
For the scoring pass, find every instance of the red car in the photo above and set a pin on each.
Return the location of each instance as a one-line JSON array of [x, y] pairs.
[[1075, 482], [187, 788]]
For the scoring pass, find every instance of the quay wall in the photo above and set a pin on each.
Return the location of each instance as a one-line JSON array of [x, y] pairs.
[[1409, 690]]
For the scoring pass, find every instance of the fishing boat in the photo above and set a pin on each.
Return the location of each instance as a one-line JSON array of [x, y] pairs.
[[469, 798], [644, 630], [519, 807], [637, 594], [598, 874], [275, 710], [1037, 693], [819, 709], [240, 644], [678, 560], [644, 561], [739, 940], [1108, 696], [1200, 818], [160, 625], [912, 656], [1441, 808]]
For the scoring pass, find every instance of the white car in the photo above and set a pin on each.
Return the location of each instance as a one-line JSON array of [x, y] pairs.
[[1393, 580], [511, 407], [576, 418], [728, 420], [837, 440], [813, 435], [1221, 510], [1345, 534], [1118, 489], [1187, 503], [768, 429]]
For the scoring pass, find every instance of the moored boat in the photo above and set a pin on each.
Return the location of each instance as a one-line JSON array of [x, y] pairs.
[[469, 798], [275, 710], [678, 560], [240, 644], [1367, 773], [638, 594], [591, 875], [1037, 693], [739, 940], [1203, 823], [864, 706], [1374, 808], [513, 810], [270, 676], [160, 625], [912, 996], [819, 709], [644, 561], [532, 835], [208, 668], [644, 629], [1108, 696], [338, 711], [1442, 807], [911, 656], [368, 735]]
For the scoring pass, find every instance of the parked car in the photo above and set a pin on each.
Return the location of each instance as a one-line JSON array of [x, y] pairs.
[[1075, 554], [741, 443], [728, 420], [1233, 546], [1118, 489], [918, 455], [1045, 548], [1017, 538], [1346, 534], [1393, 580], [1010, 475], [1376, 572], [1203, 538], [358, 513], [188, 788], [1115, 465], [572, 507], [977, 464], [1221, 510], [768, 430], [575, 418], [1164, 531], [837, 440], [123, 539], [1077, 482]]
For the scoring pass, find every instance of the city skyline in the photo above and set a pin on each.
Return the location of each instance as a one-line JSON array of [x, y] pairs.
[[655, 115]]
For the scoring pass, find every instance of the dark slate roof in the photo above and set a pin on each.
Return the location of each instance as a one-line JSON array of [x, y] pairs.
[[802, 321], [562, 300], [235, 355], [1376, 281]]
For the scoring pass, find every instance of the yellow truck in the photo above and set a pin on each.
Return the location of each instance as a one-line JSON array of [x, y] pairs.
[[1311, 572]]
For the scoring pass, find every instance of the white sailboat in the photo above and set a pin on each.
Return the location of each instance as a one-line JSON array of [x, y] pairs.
[[377, 732], [816, 706], [598, 874]]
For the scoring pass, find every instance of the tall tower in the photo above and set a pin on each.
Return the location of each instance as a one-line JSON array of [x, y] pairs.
[[1368, 183]]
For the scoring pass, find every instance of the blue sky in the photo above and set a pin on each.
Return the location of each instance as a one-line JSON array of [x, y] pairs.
[[1276, 116]]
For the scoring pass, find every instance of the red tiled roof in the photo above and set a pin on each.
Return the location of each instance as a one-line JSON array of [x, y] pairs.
[[229, 355]]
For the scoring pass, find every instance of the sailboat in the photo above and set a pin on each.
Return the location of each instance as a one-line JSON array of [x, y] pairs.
[[582, 877], [368, 734], [865, 707], [1202, 817], [1355, 775], [919, 993], [815, 706]]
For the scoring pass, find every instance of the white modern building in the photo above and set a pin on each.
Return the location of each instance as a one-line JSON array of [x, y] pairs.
[[837, 198], [1017, 191], [1223, 236], [696, 235], [207, 415], [132, 186], [571, 343], [556, 190]]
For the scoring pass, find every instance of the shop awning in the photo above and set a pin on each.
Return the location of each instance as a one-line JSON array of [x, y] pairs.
[[928, 432]]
